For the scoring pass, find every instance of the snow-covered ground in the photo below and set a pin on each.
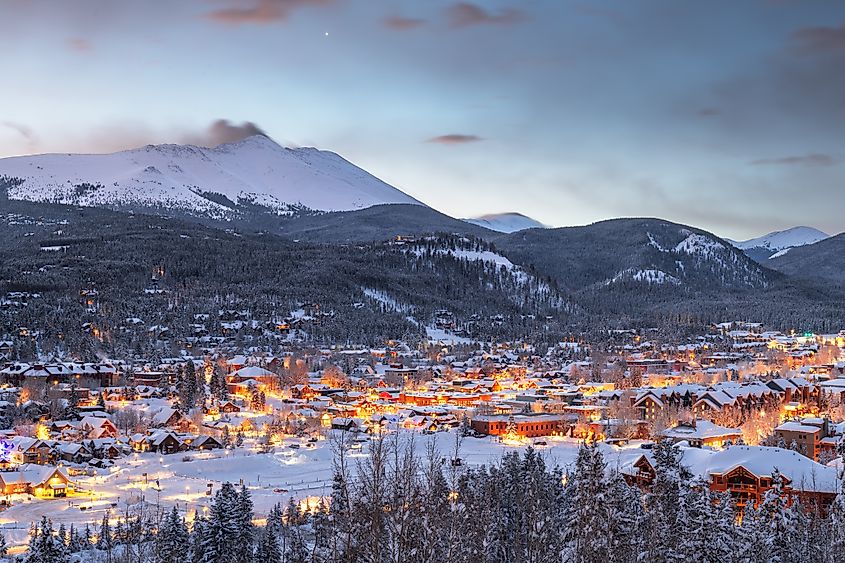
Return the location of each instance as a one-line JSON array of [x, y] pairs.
[[182, 479], [442, 336]]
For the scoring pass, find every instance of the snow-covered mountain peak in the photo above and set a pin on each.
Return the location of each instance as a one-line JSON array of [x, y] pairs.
[[206, 181], [781, 240], [506, 222]]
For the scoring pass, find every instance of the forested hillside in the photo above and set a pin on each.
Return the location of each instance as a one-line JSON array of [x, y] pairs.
[[93, 269]]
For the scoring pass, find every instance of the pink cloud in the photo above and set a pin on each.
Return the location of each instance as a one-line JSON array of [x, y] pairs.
[[79, 44], [455, 139], [464, 14], [402, 24], [260, 12], [821, 39]]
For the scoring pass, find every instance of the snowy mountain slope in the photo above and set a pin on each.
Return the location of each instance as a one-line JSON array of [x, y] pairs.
[[649, 252], [506, 222], [649, 277], [823, 260], [519, 281], [779, 242], [211, 182]]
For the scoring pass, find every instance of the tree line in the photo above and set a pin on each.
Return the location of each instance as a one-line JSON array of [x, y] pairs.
[[400, 506]]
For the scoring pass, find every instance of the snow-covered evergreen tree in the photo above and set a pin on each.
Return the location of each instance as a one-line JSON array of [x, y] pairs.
[[268, 550], [197, 540], [245, 539], [625, 527], [44, 546], [665, 503], [587, 515], [222, 530], [105, 539], [777, 519], [172, 540]]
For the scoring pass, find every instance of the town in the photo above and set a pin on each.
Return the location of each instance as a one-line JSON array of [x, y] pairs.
[[747, 409]]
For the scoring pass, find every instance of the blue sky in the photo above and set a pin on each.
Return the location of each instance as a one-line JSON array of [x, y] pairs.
[[721, 114]]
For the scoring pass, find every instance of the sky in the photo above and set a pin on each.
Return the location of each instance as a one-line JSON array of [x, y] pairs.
[[726, 115]]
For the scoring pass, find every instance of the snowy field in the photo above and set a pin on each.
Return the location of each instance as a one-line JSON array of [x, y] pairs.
[[183, 479]]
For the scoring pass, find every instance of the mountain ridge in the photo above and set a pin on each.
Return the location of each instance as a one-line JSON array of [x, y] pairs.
[[215, 182], [778, 243]]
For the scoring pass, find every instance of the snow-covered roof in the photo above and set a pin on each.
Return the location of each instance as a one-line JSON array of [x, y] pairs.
[[703, 429]]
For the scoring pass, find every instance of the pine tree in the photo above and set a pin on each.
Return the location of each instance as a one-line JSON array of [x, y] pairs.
[[44, 547], [172, 540], [625, 522], [777, 520], [72, 411], [197, 540], [665, 517], [105, 540], [245, 529], [74, 541], [217, 385], [89, 539], [4, 547], [587, 515], [190, 386], [268, 546], [62, 534], [221, 532], [837, 509]]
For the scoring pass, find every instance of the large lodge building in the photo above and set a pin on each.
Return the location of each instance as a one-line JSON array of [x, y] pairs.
[[746, 472], [528, 426]]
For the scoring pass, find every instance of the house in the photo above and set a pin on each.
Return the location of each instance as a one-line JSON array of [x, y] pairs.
[[40, 480], [206, 442], [259, 374], [106, 448], [98, 427], [347, 424], [651, 402], [704, 433], [420, 423], [229, 407], [75, 453], [31, 451], [803, 438], [161, 441], [171, 418]]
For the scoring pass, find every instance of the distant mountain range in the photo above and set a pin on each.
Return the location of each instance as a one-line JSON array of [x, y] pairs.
[[625, 270], [506, 222], [778, 243]]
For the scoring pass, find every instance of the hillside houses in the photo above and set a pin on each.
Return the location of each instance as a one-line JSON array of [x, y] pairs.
[[82, 374]]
